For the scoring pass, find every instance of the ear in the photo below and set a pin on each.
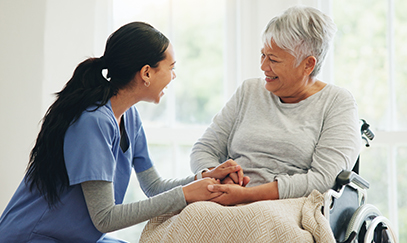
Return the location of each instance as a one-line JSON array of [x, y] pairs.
[[145, 72], [310, 63]]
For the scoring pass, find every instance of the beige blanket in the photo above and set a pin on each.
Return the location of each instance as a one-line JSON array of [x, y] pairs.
[[289, 220]]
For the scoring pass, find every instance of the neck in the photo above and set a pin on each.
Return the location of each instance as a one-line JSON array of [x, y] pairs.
[[313, 87], [121, 102]]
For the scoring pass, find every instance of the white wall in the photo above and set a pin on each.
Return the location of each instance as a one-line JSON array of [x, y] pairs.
[[41, 44], [21, 77]]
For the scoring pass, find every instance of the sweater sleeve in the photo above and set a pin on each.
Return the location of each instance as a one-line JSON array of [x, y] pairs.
[[212, 148], [337, 149], [108, 217], [166, 195], [152, 183]]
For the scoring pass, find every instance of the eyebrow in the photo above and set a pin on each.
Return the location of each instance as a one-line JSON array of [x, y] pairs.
[[267, 54]]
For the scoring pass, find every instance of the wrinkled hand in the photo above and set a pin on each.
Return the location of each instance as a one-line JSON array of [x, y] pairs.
[[225, 169], [232, 194], [198, 190], [232, 178]]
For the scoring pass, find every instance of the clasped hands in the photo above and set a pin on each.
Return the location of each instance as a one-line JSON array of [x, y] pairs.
[[224, 184]]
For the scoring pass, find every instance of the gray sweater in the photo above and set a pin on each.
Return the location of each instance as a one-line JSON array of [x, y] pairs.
[[302, 145]]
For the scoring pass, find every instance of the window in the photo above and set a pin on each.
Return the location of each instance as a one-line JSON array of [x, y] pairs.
[[370, 61], [191, 99]]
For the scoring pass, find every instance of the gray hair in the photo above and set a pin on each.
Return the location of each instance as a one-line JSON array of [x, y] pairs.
[[302, 31]]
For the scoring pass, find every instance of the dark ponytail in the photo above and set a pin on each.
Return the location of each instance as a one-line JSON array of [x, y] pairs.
[[127, 50]]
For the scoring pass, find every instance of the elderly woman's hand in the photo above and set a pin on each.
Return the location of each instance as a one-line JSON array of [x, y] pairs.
[[233, 178], [234, 194], [227, 169]]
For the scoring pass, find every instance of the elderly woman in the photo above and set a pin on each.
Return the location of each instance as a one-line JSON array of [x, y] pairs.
[[290, 132]]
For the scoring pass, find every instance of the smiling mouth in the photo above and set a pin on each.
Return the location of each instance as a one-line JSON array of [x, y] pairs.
[[271, 78]]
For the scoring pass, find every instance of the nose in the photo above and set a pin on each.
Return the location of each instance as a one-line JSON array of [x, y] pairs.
[[173, 75], [264, 65]]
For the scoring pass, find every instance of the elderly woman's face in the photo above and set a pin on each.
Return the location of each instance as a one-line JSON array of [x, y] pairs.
[[283, 77]]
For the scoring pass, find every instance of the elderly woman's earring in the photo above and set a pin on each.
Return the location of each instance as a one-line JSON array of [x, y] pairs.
[[147, 83]]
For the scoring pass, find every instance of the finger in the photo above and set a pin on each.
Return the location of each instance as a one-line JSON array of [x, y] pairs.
[[218, 199], [240, 176], [217, 188], [230, 169], [214, 195], [228, 163], [234, 177], [227, 180], [246, 180]]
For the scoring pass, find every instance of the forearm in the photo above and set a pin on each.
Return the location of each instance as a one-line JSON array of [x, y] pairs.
[[108, 217], [268, 191], [152, 184]]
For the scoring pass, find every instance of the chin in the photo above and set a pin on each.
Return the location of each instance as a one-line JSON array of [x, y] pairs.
[[269, 87], [157, 100]]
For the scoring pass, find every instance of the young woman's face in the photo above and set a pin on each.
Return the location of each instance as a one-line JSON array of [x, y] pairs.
[[162, 75]]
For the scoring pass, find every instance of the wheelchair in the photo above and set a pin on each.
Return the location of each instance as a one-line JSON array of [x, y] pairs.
[[350, 217]]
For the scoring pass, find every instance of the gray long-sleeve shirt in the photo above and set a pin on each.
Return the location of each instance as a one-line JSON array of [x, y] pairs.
[[165, 195], [302, 145]]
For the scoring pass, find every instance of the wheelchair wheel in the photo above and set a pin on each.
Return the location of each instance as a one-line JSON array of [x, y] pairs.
[[360, 222], [380, 230]]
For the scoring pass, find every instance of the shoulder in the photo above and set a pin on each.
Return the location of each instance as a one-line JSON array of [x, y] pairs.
[[338, 91], [101, 119], [337, 94], [103, 114]]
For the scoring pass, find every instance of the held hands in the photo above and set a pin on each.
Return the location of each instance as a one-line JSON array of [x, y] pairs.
[[198, 190], [210, 189], [229, 172], [231, 194]]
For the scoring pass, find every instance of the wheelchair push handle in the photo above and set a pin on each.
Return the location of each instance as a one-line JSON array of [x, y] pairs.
[[366, 133]]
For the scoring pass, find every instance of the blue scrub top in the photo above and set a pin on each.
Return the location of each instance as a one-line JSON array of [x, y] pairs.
[[92, 152]]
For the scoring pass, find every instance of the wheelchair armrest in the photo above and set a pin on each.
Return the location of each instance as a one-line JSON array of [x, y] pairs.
[[346, 177]]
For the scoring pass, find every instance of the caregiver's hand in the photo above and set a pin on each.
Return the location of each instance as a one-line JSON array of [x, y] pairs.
[[198, 190], [233, 178], [225, 169], [232, 194]]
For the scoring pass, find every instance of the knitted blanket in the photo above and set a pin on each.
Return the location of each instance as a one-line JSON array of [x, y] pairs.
[[288, 220]]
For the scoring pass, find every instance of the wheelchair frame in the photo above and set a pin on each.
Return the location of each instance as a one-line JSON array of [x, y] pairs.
[[350, 217]]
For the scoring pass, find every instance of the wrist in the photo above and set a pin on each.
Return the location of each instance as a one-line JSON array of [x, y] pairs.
[[248, 195], [206, 173], [186, 194], [201, 174]]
